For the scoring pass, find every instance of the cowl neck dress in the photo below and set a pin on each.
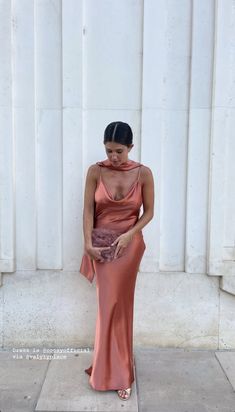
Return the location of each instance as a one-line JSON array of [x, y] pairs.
[[113, 363]]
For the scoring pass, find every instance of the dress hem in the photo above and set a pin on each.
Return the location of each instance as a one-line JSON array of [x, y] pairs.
[[112, 388]]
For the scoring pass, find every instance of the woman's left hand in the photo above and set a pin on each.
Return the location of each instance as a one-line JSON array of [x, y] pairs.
[[122, 242]]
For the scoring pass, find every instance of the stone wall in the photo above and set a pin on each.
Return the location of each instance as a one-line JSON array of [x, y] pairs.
[[68, 69]]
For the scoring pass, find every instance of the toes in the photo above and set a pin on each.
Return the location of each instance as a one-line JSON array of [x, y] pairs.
[[123, 393]]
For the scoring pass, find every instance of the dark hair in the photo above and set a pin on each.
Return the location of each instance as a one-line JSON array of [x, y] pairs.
[[118, 132]]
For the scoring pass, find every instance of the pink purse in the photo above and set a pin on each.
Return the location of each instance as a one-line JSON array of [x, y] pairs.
[[102, 237]]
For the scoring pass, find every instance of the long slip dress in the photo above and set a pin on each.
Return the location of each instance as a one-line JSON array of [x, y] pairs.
[[113, 363]]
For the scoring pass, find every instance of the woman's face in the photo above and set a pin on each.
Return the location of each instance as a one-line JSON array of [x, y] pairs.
[[117, 153]]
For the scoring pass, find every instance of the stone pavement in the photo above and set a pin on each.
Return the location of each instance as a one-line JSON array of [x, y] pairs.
[[166, 380]]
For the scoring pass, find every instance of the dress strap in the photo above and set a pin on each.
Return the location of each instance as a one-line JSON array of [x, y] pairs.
[[138, 178], [100, 173]]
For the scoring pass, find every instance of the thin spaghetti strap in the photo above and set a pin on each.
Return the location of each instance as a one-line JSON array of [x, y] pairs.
[[138, 178], [100, 174]]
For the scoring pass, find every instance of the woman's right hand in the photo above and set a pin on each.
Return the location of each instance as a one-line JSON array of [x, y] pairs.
[[95, 252]]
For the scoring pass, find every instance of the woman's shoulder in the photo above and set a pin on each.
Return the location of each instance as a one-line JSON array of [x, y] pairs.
[[146, 174], [93, 168], [145, 170], [93, 171]]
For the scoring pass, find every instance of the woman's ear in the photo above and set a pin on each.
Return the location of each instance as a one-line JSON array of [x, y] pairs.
[[130, 147]]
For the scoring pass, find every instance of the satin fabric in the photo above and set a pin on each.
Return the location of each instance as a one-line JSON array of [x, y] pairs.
[[129, 165], [112, 365]]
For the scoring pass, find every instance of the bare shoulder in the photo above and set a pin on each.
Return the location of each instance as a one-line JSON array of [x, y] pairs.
[[93, 171], [146, 174]]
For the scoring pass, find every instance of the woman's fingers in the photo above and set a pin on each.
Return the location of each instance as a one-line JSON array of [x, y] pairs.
[[115, 241], [118, 251], [99, 257], [98, 251], [116, 254]]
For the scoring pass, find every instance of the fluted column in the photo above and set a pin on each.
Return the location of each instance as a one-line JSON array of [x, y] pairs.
[[166, 82], [7, 144], [199, 126], [48, 112], [221, 240]]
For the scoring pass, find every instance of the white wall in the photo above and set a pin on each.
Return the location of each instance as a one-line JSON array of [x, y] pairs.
[[69, 67]]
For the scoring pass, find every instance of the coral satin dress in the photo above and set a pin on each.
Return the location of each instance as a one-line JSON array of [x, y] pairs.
[[112, 366]]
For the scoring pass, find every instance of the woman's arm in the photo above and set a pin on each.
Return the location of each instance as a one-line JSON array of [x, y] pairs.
[[88, 213], [148, 211], [148, 201], [89, 205]]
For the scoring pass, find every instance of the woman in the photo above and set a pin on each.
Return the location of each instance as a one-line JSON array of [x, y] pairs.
[[114, 192]]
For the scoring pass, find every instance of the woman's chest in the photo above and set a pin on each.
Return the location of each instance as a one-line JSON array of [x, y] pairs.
[[119, 184]]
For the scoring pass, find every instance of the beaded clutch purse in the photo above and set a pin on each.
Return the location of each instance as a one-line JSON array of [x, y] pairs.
[[102, 237]]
